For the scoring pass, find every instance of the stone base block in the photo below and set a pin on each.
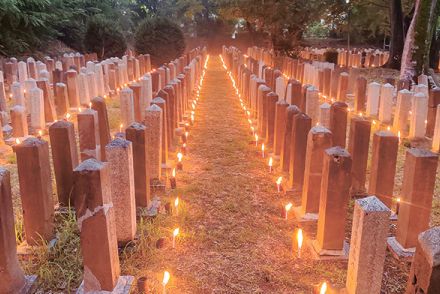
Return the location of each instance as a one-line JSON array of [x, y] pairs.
[[323, 254], [398, 251], [123, 286], [29, 286], [157, 186], [304, 217]]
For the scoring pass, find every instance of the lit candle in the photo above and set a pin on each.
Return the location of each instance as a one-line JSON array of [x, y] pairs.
[[397, 206], [388, 128], [17, 141], [279, 181], [67, 116], [399, 136], [173, 179], [262, 150], [183, 148], [179, 161], [287, 207], [175, 233], [120, 128], [256, 140], [40, 134], [299, 238], [176, 205], [166, 278], [90, 104], [79, 109], [270, 164], [323, 288]]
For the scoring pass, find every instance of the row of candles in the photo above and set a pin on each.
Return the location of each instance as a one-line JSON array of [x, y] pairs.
[[299, 233], [179, 166]]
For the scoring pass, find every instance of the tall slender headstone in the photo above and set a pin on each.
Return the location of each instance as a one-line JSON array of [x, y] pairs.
[[98, 104], [65, 158], [280, 125], [119, 154], [338, 123], [96, 223], [35, 189], [291, 111], [12, 278], [153, 122], [88, 133], [367, 246]]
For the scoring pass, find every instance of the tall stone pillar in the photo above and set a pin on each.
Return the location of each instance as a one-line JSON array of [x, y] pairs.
[[137, 134], [119, 154], [35, 189], [12, 279], [96, 223], [88, 133], [319, 139], [333, 205], [425, 267], [416, 196], [271, 100], [358, 146], [291, 111], [65, 158], [99, 105], [298, 147], [383, 166], [338, 123], [280, 125], [153, 122], [369, 232]]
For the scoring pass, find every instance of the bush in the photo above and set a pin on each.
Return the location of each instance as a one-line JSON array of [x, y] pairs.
[[161, 38], [331, 55], [104, 38]]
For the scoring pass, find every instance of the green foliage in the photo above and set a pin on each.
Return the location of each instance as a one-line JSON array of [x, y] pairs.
[[104, 38], [161, 38]]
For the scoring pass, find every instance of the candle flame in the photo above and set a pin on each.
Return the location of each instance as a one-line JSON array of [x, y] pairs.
[[279, 180], [79, 109], [256, 137], [176, 202], [166, 278], [17, 141], [186, 134], [288, 206], [67, 116], [323, 288], [262, 147], [299, 238], [388, 128], [90, 104], [174, 173], [360, 114], [270, 161], [179, 156], [398, 199], [176, 232]]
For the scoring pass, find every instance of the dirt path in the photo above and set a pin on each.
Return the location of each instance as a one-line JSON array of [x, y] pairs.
[[233, 239]]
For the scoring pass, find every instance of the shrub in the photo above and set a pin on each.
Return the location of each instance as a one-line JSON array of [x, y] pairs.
[[161, 38], [104, 38]]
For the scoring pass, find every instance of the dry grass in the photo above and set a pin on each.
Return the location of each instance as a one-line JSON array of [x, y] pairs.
[[232, 237]]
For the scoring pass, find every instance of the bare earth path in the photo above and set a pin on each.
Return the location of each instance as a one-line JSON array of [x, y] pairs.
[[233, 239]]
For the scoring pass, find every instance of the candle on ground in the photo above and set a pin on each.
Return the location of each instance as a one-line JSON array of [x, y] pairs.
[[397, 206], [179, 161], [173, 179], [323, 288], [165, 280], [256, 140], [287, 207], [299, 238], [176, 205], [270, 164], [279, 182], [262, 150], [175, 234]]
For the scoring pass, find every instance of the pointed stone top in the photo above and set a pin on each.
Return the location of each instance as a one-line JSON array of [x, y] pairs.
[[18, 108], [154, 107], [293, 109], [338, 152], [264, 88], [3, 171], [430, 243], [372, 204], [282, 102], [89, 165], [421, 152], [325, 105], [376, 84], [385, 134], [388, 85], [340, 104], [405, 91], [60, 85], [272, 94], [159, 100], [98, 99], [88, 111], [118, 143], [320, 129], [136, 126], [32, 141], [344, 73], [419, 95], [312, 89], [61, 124], [127, 91]]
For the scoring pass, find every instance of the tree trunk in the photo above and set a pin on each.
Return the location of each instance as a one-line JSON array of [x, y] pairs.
[[415, 57], [434, 51], [397, 34]]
